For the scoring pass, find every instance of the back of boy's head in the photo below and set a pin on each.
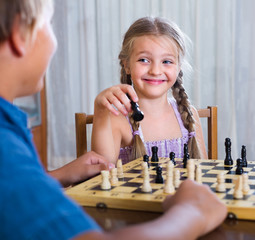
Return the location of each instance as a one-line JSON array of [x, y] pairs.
[[30, 13], [160, 27]]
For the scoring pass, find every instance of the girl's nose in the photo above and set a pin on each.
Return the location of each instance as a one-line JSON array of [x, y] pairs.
[[155, 69]]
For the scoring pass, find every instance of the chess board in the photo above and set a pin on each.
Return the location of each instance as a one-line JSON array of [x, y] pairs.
[[128, 195]]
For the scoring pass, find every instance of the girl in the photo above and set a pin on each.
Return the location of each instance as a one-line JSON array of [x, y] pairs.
[[151, 62]]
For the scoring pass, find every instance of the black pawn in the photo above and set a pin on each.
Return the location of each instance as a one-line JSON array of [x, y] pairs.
[[159, 178], [243, 156], [146, 159], [185, 159], [228, 158], [239, 168], [185, 148], [154, 157], [172, 156]]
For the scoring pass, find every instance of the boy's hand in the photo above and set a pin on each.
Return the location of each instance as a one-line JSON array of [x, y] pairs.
[[86, 166]]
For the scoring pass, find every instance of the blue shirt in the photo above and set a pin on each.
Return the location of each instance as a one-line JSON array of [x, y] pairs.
[[32, 204]]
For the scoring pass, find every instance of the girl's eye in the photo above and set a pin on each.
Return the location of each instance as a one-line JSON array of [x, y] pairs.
[[143, 60], [167, 62]]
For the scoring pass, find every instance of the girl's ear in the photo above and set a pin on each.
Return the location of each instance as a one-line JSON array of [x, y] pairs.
[[18, 40]]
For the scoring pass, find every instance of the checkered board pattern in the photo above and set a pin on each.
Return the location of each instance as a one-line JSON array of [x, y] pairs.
[[128, 195]]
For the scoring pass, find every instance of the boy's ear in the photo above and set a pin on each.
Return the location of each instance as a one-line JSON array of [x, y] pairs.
[[17, 40]]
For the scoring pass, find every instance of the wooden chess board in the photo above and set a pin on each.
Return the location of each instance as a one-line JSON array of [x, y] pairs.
[[128, 195]]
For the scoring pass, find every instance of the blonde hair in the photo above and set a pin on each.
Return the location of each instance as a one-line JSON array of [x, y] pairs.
[[30, 13], [159, 27]]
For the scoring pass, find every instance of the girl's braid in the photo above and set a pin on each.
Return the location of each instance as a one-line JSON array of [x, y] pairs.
[[184, 108]]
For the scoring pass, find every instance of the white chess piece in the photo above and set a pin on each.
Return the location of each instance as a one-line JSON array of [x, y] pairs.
[[177, 177], [198, 173], [220, 187], [246, 187], [238, 193], [114, 179], [144, 167], [169, 186], [146, 187], [105, 185], [120, 169], [191, 169]]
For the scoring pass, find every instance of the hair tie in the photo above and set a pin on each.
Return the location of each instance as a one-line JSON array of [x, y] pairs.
[[191, 134], [136, 133]]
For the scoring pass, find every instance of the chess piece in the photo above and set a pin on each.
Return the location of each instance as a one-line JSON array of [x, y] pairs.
[[238, 193], [120, 169], [177, 177], [137, 114], [144, 166], [114, 179], [239, 168], [191, 169], [198, 174], [220, 187], [169, 168], [185, 155], [243, 156], [146, 159], [146, 187], [172, 156], [169, 187], [228, 159], [159, 178], [246, 187], [105, 185], [154, 157]]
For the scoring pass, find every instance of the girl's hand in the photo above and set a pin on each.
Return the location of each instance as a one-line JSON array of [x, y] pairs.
[[115, 99]]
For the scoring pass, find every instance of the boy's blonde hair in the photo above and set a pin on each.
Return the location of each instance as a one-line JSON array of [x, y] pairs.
[[30, 13], [159, 27]]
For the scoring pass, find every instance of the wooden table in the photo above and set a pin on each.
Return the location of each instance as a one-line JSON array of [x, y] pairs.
[[112, 219]]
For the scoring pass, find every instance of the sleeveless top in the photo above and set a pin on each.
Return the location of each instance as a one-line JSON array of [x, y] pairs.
[[164, 146]]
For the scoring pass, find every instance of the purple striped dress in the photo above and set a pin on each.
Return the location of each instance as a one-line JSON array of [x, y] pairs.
[[164, 146]]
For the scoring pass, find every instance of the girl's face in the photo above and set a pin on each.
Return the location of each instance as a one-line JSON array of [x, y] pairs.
[[153, 65]]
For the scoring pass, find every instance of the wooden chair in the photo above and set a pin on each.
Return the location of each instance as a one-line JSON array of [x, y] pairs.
[[82, 119]]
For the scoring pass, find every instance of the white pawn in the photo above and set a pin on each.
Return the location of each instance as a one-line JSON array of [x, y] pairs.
[[105, 185], [220, 187], [177, 177], [144, 166], [120, 169], [169, 186], [238, 193], [146, 182], [246, 187], [191, 169], [169, 168], [198, 173], [114, 178]]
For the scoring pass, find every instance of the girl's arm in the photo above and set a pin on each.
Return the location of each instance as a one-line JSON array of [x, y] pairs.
[[108, 123], [199, 134]]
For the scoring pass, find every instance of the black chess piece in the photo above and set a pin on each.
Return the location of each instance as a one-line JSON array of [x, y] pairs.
[[137, 114], [154, 157], [159, 177], [146, 159], [185, 155], [243, 156], [185, 159], [172, 156], [239, 167], [228, 159], [185, 148]]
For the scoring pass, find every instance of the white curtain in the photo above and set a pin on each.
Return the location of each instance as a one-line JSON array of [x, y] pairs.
[[90, 32]]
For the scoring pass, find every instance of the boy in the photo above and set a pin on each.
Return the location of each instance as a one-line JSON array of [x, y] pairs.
[[33, 205]]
